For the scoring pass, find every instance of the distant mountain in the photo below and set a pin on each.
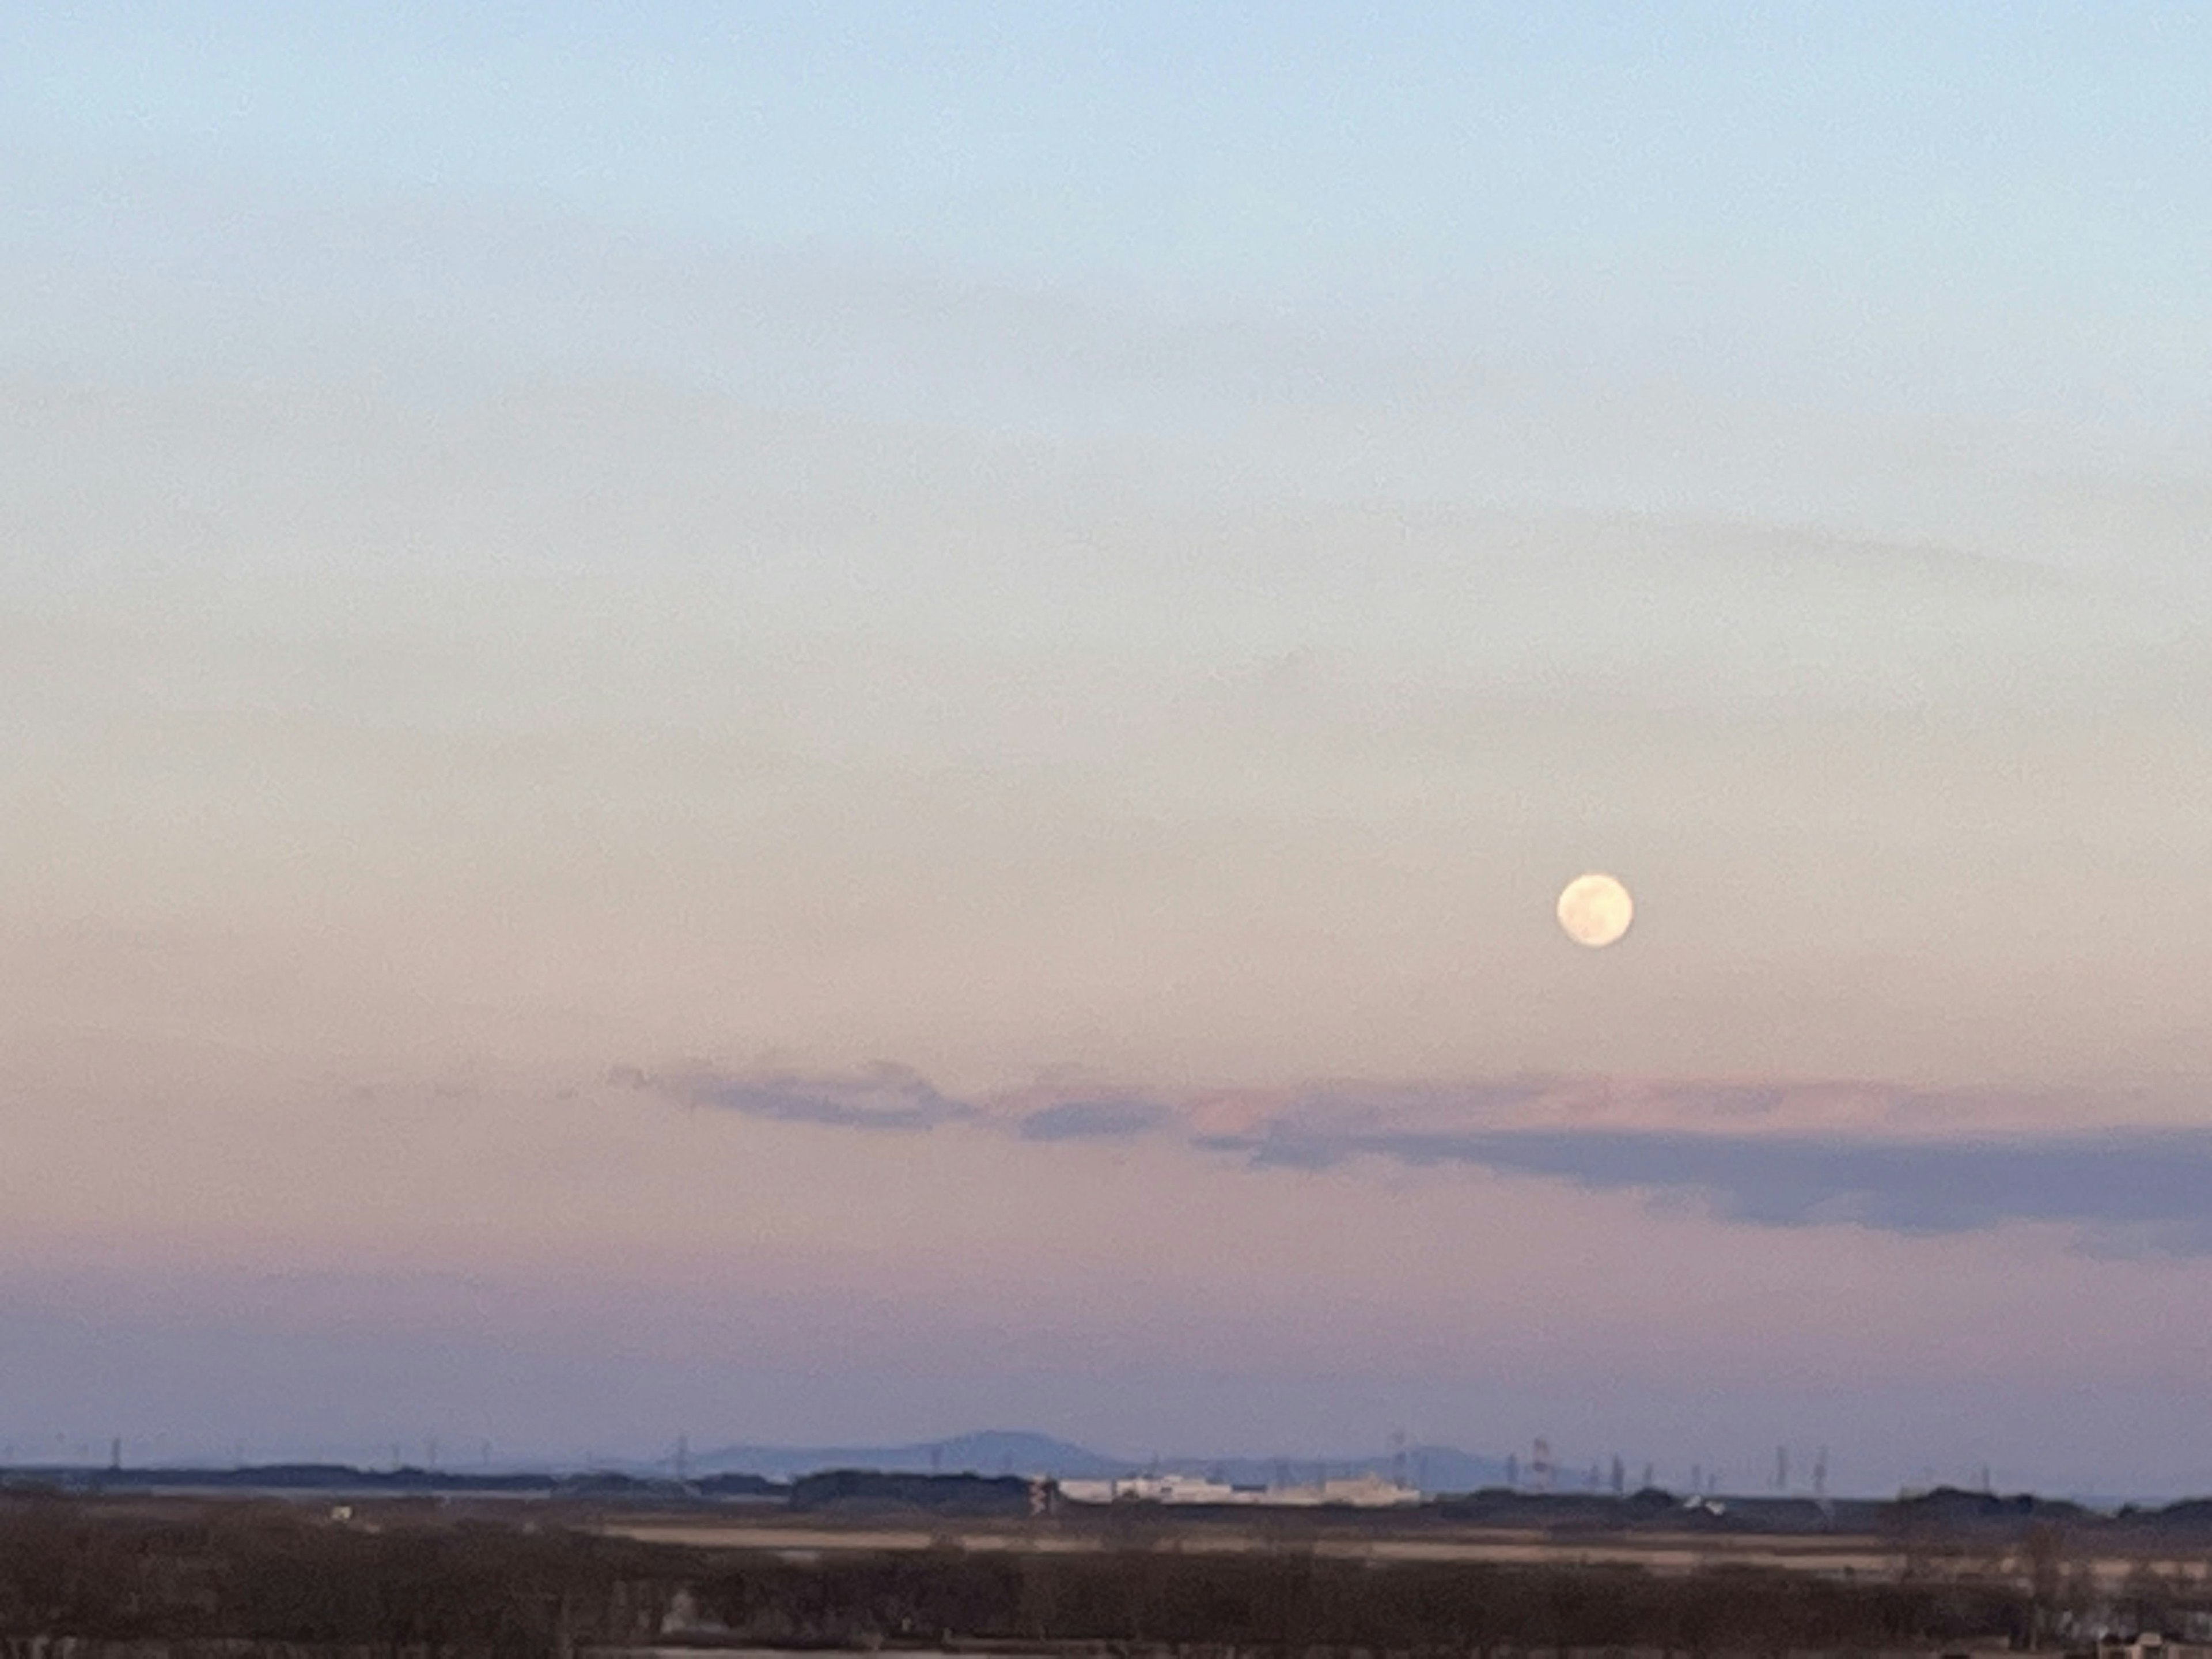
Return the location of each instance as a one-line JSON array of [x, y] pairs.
[[1447, 1468], [993, 1452], [989, 1452], [1433, 1468]]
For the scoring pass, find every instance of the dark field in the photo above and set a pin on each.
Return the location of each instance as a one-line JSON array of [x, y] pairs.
[[436, 1577]]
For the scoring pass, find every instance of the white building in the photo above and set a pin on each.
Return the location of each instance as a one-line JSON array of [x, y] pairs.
[[1361, 1491]]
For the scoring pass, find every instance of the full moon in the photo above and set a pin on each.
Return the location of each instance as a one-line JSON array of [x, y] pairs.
[[1596, 910]]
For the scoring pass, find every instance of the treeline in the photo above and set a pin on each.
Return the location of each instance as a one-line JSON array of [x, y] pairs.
[[345, 1479], [974, 1494], [1947, 1513], [964, 1494], [270, 1575]]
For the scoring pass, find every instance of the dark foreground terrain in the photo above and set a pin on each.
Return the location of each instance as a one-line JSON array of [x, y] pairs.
[[91, 1578]]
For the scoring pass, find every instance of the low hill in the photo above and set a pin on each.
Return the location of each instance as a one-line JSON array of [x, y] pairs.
[[991, 1452]]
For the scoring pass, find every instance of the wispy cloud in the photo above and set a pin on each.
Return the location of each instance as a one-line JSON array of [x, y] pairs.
[[1120, 1119], [883, 1096], [2142, 1188], [1782, 1155]]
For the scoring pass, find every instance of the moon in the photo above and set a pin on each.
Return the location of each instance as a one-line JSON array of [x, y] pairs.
[[1596, 910]]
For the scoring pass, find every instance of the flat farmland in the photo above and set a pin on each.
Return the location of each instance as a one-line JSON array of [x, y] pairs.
[[2103, 1562], [1840, 1556]]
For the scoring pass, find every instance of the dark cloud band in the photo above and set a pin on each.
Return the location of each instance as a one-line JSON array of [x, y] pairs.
[[2123, 1190], [2152, 1188]]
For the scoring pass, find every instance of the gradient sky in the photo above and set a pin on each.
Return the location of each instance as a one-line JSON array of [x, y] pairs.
[[833, 723]]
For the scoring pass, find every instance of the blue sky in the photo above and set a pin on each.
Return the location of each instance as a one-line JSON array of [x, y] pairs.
[[1994, 208], [694, 690]]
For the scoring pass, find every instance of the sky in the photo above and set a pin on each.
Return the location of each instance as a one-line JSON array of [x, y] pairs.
[[833, 723]]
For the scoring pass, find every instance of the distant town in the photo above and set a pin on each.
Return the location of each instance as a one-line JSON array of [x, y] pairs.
[[329, 1560]]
